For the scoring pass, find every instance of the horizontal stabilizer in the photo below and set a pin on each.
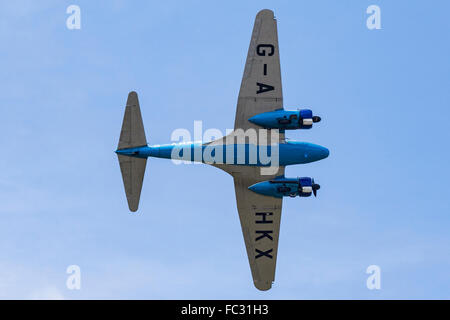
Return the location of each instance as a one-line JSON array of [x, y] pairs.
[[133, 170], [131, 136]]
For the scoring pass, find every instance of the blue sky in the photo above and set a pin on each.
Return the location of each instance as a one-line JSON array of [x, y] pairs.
[[383, 96]]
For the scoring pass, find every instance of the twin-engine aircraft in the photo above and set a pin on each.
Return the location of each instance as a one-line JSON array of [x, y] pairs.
[[254, 154]]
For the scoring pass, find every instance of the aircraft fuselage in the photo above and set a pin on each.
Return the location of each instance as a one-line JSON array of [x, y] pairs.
[[289, 153]]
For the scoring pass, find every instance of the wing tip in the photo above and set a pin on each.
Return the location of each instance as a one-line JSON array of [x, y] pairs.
[[133, 207], [132, 98], [263, 285], [265, 12]]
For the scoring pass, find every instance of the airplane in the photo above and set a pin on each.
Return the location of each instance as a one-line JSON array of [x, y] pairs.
[[259, 193]]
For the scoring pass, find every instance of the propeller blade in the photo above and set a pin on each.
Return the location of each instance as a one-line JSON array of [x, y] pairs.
[[315, 187]]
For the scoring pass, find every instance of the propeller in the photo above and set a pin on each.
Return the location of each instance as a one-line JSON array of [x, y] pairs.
[[315, 187], [316, 119]]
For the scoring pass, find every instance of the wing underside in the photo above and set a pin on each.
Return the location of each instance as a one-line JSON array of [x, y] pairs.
[[260, 218], [260, 92], [261, 83]]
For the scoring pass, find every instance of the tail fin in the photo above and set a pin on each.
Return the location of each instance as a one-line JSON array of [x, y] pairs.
[[131, 136]]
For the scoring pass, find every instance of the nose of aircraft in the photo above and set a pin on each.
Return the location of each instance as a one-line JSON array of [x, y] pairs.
[[318, 152], [323, 152]]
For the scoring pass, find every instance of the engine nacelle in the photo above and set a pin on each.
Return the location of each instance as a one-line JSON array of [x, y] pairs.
[[284, 187], [285, 119]]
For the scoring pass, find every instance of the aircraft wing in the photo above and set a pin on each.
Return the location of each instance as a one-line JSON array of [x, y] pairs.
[[260, 222], [260, 92], [261, 83]]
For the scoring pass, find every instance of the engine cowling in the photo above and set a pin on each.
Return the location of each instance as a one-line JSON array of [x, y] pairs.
[[286, 187], [285, 119]]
